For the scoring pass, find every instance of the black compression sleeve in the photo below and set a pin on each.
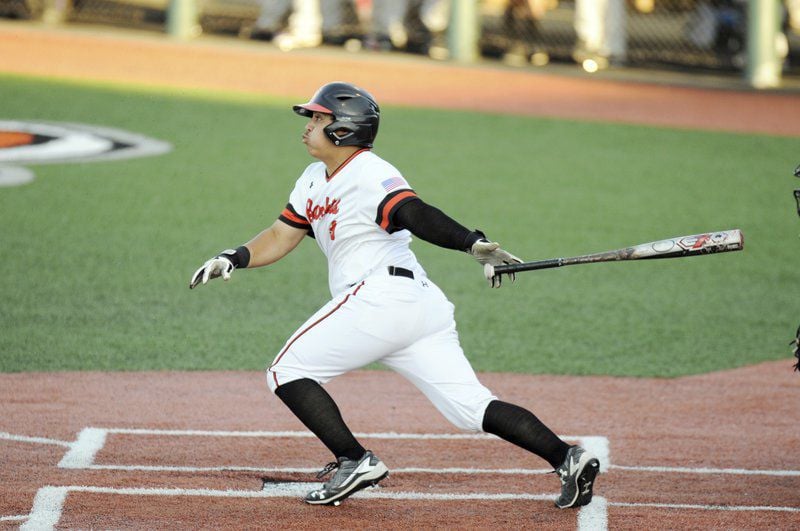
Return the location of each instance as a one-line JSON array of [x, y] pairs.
[[434, 226]]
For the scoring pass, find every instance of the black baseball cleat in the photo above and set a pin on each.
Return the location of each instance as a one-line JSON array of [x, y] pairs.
[[351, 476], [577, 474]]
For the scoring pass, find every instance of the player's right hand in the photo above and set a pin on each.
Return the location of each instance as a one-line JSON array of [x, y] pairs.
[[219, 266]]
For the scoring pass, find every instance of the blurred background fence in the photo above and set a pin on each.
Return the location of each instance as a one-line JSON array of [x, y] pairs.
[[694, 35]]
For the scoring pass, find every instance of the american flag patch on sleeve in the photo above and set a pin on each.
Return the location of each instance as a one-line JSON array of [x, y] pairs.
[[392, 183]]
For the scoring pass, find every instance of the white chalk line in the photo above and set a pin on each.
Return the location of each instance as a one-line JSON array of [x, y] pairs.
[[83, 451], [595, 444], [308, 434], [706, 470], [299, 489], [90, 440], [297, 470], [14, 518], [442, 471], [36, 440], [755, 508], [594, 517], [47, 507], [49, 500]]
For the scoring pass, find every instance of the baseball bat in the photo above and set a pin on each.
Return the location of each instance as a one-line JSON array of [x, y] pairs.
[[697, 244]]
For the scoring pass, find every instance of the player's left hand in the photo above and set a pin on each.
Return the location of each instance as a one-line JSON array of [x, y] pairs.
[[219, 266], [490, 253]]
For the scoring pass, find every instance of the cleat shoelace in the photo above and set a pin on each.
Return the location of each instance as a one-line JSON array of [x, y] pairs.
[[330, 467]]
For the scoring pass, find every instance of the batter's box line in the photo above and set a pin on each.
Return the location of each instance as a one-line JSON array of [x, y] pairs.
[[82, 452], [90, 441], [49, 501], [48, 504]]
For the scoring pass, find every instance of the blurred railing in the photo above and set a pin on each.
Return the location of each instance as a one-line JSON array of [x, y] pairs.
[[694, 35]]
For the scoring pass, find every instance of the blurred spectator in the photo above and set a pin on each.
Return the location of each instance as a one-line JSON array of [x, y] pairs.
[[521, 26], [289, 23], [602, 36], [719, 25], [412, 25], [793, 15], [305, 23], [511, 29], [340, 21]]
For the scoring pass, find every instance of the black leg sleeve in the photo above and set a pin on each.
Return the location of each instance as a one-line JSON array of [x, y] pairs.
[[316, 409], [521, 427]]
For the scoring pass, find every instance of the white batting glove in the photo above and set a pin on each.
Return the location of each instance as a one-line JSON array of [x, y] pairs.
[[219, 266], [490, 254]]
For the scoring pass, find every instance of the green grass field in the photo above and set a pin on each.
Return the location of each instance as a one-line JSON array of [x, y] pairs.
[[97, 256]]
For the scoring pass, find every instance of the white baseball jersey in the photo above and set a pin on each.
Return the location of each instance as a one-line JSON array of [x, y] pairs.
[[401, 320], [348, 214]]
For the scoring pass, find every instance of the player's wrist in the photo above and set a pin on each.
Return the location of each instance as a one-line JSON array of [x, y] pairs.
[[239, 257], [472, 237]]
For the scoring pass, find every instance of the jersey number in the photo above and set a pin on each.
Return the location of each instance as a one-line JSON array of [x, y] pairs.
[[332, 230]]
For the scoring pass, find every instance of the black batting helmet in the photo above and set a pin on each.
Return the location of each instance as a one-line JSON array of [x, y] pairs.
[[354, 110]]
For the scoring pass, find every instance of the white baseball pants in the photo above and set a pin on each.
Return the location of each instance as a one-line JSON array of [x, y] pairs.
[[406, 324]]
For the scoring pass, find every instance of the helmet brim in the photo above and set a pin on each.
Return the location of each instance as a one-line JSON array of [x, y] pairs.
[[307, 109]]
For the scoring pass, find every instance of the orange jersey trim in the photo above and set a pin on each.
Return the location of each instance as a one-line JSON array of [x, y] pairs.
[[387, 208], [291, 216]]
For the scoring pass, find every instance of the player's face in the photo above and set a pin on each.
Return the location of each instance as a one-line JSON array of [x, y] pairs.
[[314, 137]]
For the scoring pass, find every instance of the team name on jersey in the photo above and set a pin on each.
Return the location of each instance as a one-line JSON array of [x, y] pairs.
[[315, 212]]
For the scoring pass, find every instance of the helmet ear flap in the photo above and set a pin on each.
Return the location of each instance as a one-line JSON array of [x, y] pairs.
[[334, 133]]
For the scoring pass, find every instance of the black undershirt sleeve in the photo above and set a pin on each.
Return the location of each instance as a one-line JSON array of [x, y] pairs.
[[434, 226]]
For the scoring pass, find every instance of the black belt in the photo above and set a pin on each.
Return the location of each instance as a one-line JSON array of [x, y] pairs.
[[400, 272]]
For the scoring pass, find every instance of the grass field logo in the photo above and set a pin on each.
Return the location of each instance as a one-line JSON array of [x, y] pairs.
[[25, 143]]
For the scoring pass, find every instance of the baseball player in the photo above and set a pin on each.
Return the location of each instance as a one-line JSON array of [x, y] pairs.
[[361, 212]]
